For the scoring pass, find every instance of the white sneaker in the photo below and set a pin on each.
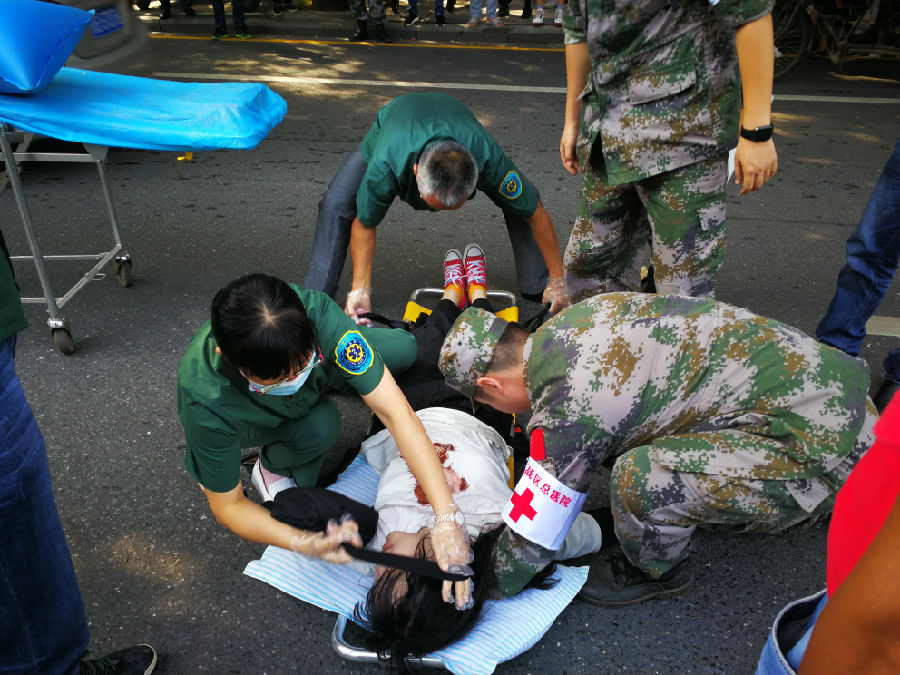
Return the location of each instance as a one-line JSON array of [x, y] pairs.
[[558, 17], [538, 19], [268, 484]]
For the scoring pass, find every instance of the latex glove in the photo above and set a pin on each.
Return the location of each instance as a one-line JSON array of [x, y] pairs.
[[556, 294], [358, 303], [327, 546], [453, 553]]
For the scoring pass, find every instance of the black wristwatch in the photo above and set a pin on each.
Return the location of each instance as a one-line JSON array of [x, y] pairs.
[[759, 134]]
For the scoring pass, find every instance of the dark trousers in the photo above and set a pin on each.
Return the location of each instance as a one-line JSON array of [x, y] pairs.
[[43, 627]]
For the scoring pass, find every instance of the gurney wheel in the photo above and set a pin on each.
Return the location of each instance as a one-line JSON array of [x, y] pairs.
[[63, 340], [122, 270]]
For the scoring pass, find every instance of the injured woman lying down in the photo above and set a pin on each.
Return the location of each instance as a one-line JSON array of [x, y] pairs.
[[404, 611]]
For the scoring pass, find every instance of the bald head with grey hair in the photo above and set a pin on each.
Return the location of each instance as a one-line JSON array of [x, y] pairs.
[[447, 172]]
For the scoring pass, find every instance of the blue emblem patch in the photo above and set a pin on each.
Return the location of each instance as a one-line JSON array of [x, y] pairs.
[[511, 187], [353, 353]]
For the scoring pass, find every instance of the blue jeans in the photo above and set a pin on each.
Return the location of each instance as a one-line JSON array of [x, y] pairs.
[[475, 8], [43, 627], [873, 254], [438, 7], [237, 12], [786, 646], [337, 209]]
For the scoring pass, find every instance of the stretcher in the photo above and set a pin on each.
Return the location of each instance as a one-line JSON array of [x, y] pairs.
[[505, 629], [102, 110]]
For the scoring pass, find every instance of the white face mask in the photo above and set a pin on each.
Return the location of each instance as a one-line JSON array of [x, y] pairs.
[[287, 387]]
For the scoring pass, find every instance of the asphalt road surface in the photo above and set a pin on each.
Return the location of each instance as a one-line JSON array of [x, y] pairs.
[[154, 565]]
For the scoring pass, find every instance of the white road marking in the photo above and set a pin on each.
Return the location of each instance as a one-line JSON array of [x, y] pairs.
[[285, 79]]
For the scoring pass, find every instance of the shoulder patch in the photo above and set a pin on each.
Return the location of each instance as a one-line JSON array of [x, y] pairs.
[[353, 353], [511, 187]]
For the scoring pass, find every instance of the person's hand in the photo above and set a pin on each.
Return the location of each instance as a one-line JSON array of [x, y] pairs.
[[327, 546], [754, 164], [567, 145], [556, 294], [453, 553], [358, 303]]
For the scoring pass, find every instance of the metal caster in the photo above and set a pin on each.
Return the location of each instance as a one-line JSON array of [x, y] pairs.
[[63, 340], [122, 270], [61, 331]]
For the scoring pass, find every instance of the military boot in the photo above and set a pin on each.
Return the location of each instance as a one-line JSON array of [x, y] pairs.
[[614, 582], [362, 32]]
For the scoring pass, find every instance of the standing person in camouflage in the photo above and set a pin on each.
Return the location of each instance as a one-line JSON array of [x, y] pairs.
[[361, 14], [717, 416], [652, 109]]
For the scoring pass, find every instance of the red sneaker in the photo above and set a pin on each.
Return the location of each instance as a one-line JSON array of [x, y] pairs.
[[455, 275], [476, 271]]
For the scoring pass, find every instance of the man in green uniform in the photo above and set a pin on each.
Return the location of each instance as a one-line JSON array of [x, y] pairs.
[[257, 374], [652, 109], [430, 151], [717, 416]]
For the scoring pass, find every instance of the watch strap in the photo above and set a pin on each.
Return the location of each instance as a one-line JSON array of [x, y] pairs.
[[759, 134]]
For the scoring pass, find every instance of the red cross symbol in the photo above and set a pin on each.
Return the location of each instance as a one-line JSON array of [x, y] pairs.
[[522, 505]]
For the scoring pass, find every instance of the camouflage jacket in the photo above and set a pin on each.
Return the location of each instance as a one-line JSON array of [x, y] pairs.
[[663, 91], [623, 370]]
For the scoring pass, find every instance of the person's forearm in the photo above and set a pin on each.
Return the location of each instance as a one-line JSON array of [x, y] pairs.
[[578, 65], [362, 253], [756, 59], [388, 402], [858, 631], [249, 520], [545, 238]]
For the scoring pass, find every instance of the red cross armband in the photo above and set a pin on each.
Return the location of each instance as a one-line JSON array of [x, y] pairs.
[[541, 508]]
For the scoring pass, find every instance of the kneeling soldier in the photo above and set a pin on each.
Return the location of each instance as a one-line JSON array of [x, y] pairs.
[[717, 416]]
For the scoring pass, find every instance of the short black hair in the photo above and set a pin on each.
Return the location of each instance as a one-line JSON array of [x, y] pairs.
[[261, 326], [419, 621]]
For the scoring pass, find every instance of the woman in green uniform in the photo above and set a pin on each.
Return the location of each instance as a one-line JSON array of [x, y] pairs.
[[257, 373]]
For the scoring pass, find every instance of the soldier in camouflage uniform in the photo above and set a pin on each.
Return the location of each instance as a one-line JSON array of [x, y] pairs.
[[652, 110], [717, 416]]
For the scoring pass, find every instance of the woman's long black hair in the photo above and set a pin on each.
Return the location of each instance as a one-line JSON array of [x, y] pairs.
[[261, 326], [419, 621]]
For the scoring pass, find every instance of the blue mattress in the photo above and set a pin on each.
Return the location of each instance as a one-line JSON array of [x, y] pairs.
[[138, 112]]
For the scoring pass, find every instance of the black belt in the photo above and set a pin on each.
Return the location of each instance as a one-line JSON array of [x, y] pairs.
[[426, 568]]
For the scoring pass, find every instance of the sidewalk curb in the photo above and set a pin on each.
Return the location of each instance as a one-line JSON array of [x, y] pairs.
[[312, 25]]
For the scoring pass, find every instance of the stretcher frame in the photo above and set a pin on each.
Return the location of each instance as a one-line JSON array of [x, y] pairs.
[[414, 307], [60, 326]]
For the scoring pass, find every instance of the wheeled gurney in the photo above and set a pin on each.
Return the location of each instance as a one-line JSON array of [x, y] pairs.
[[103, 110]]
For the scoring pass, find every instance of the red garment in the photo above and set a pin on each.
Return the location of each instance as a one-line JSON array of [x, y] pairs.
[[863, 504]]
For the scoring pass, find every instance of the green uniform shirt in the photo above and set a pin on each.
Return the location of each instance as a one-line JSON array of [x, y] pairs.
[[662, 91], [12, 317], [409, 123], [218, 410]]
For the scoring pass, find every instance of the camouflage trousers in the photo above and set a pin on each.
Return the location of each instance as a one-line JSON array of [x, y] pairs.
[[375, 10], [674, 221], [656, 509]]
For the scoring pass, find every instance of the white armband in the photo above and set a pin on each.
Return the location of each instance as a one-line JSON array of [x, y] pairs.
[[541, 508]]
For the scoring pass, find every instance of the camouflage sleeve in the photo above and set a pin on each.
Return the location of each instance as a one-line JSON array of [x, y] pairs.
[[736, 13], [573, 454], [575, 22]]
